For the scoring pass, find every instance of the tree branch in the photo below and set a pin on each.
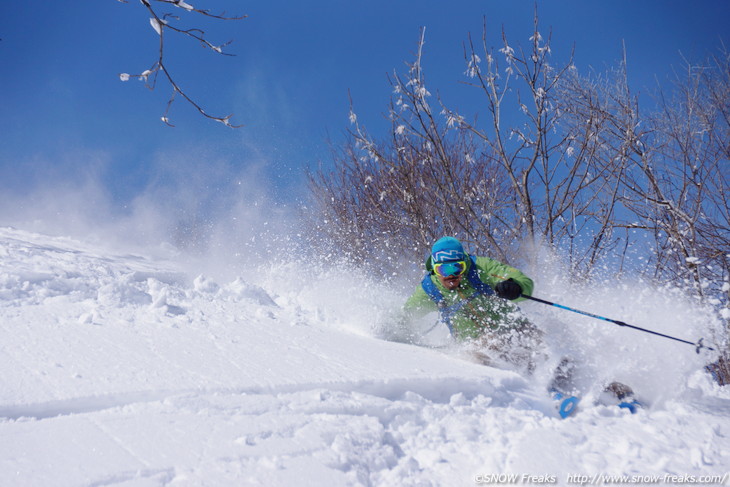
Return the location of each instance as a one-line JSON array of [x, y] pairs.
[[160, 24]]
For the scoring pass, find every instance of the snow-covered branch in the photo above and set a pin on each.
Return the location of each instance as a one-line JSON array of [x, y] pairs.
[[161, 23]]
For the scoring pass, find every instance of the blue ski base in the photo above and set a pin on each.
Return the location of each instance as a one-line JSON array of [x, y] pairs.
[[566, 404], [632, 405]]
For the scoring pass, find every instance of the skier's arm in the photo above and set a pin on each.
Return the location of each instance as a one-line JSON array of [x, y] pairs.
[[493, 272]]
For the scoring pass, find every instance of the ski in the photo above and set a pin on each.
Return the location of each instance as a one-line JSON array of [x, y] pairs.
[[566, 404], [632, 405]]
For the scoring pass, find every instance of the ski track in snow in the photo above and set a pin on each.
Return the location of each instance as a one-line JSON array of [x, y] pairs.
[[120, 369]]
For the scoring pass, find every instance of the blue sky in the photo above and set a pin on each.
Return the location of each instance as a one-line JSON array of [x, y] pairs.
[[66, 119]]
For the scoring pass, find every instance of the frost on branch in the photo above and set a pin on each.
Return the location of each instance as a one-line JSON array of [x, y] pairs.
[[472, 68], [164, 22], [508, 52], [157, 25], [182, 4]]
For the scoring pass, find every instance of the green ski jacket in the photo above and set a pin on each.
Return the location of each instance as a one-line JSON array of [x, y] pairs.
[[481, 315]]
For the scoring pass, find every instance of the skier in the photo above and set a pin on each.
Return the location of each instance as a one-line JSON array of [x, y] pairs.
[[474, 297]]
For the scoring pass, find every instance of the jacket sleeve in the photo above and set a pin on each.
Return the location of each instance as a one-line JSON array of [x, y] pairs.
[[492, 272]]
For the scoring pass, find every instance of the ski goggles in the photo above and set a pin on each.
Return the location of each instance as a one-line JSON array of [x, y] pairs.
[[448, 269]]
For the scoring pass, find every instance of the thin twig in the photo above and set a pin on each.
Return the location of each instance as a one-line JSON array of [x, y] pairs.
[[161, 24]]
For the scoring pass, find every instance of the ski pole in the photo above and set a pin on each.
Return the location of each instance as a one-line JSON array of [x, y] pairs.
[[697, 345]]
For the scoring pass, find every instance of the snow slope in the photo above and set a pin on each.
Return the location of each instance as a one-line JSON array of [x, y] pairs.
[[130, 369]]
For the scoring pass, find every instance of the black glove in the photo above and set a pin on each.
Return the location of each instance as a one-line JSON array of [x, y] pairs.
[[508, 289]]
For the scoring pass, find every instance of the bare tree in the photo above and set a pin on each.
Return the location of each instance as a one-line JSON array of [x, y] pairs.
[[695, 136], [161, 23], [561, 157], [428, 179], [601, 122], [540, 179], [675, 173], [547, 136]]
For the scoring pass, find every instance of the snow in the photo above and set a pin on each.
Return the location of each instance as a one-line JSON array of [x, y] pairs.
[[139, 369]]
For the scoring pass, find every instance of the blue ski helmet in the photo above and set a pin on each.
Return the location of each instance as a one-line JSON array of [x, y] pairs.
[[447, 249]]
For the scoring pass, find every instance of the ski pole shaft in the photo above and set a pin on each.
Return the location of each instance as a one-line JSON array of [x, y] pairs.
[[697, 345]]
